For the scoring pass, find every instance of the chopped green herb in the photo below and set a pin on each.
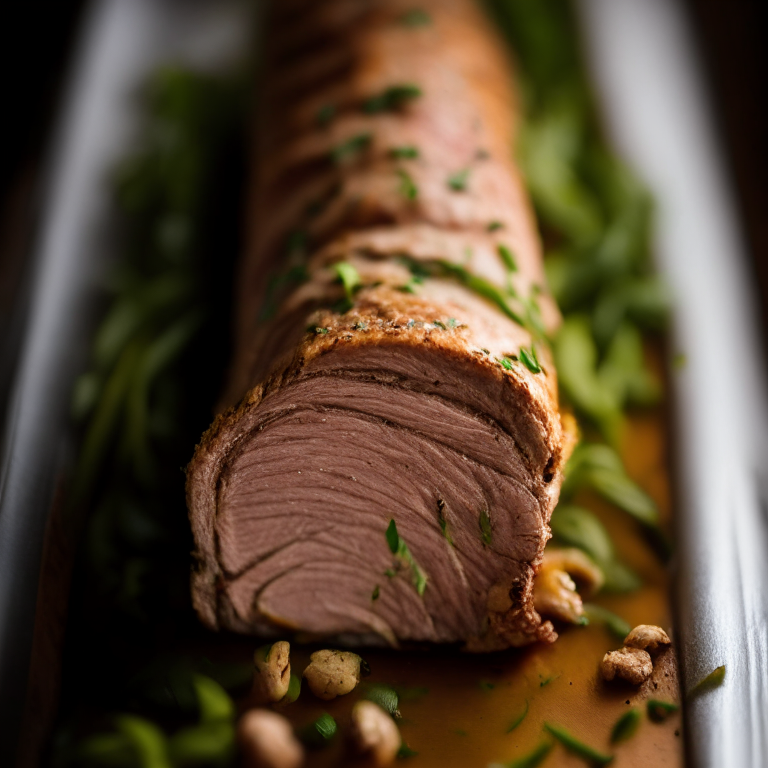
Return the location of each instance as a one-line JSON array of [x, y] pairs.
[[326, 114], [386, 697], [452, 322], [360, 326], [404, 153], [519, 719], [545, 681], [485, 527], [713, 680], [416, 18], [572, 744], [532, 760], [529, 359], [626, 726], [408, 188], [458, 181], [658, 710], [494, 225], [351, 146], [390, 573], [598, 614], [400, 550], [321, 331], [443, 522], [485, 351], [507, 257], [505, 363], [391, 99], [375, 593], [349, 277], [405, 751], [440, 324], [320, 732]]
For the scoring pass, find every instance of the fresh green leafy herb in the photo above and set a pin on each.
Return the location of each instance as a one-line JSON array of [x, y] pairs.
[[529, 359], [352, 146], [545, 681], [599, 615], [505, 363], [375, 594], [400, 550], [405, 752], [391, 99], [349, 277], [532, 760], [713, 680], [658, 710], [519, 719], [507, 257], [404, 153], [626, 726], [416, 18], [452, 322], [572, 744], [321, 331], [458, 181], [599, 467], [320, 732], [493, 226], [386, 697], [440, 324], [485, 527], [408, 188], [326, 114], [390, 573]]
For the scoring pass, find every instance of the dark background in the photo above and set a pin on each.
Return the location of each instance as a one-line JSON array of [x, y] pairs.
[[37, 42]]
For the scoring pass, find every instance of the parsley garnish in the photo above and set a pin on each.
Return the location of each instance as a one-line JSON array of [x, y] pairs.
[[385, 697], [348, 276], [404, 153], [360, 326], [391, 99], [400, 550], [405, 751], [408, 188], [529, 360], [505, 363], [325, 115], [625, 726], [572, 744], [507, 257], [375, 593], [658, 711], [416, 18], [440, 324], [351, 147], [713, 680], [320, 732], [458, 181], [494, 225], [519, 719]]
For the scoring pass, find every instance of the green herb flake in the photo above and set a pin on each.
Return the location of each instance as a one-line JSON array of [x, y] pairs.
[[505, 363], [391, 98], [458, 181], [408, 188], [400, 550], [659, 711], [375, 594], [360, 326], [519, 719], [321, 331], [352, 146], [529, 359], [612, 622], [532, 760], [404, 153], [325, 115], [486, 532], [493, 226], [320, 732], [626, 726], [390, 573], [505, 252], [416, 17], [294, 689], [713, 680], [452, 322], [572, 744], [440, 324], [405, 752], [545, 681], [348, 276], [386, 697]]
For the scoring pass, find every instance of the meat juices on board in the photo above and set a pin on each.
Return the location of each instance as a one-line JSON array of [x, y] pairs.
[[385, 145]]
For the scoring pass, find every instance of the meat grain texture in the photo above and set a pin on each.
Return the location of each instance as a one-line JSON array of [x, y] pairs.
[[384, 143]]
